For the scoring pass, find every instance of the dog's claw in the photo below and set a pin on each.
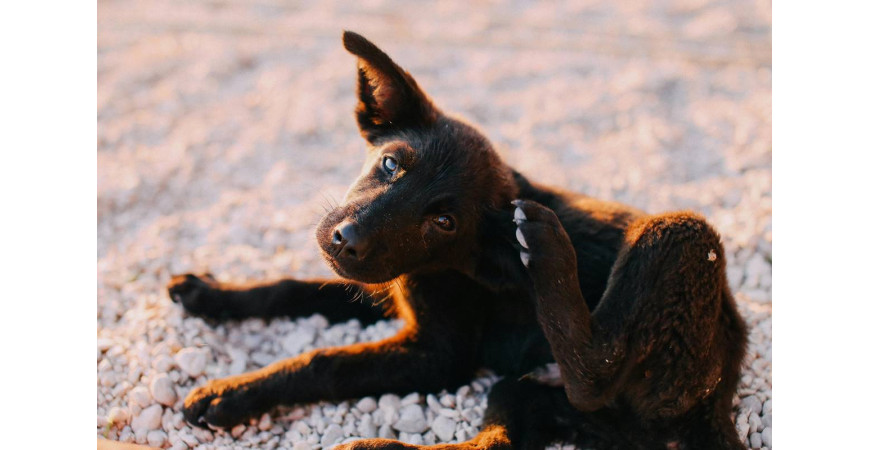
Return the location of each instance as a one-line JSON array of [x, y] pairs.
[[522, 239], [519, 216], [524, 256]]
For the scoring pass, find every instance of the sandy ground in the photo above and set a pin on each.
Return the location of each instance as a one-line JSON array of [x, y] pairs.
[[224, 128]]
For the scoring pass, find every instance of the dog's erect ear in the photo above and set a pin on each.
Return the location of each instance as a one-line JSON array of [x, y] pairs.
[[389, 98]]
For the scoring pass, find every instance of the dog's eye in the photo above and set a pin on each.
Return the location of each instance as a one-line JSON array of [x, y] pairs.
[[445, 222], [390, 164]]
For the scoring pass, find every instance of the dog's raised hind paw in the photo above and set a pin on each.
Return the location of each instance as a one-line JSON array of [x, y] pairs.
[[545, 246]]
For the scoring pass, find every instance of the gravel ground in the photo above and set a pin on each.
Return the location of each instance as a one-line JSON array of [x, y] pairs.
[[224, 127]]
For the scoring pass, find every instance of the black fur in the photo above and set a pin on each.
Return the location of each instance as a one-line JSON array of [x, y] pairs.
[[634, 309]]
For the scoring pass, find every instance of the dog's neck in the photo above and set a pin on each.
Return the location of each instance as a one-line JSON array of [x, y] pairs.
[[496, 263]]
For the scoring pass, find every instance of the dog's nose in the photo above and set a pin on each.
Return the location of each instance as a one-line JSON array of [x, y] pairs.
[[348, 242]]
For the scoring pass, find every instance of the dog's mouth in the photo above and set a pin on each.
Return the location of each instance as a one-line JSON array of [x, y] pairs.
[[367, 269], [361, 271]]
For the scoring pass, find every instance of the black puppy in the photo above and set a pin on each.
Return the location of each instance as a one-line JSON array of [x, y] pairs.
[[491, 270]]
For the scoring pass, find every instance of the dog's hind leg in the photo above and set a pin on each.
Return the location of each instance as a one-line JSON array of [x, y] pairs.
[[338, 301], [666, 336]]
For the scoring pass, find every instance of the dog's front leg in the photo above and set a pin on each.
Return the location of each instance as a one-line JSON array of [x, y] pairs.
[[337, 300], [400, 364]]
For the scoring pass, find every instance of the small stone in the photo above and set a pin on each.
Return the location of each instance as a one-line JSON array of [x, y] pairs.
[[742, 425], [432, 401], [301, 445], [262, 359], [147, 420], [192, 361], [751, 403], [411, 420], [163, 390], [444, 428], [447, 412], [461, 436], [265, 422], [163, 363], [139, 396], [463, 391], [754, 423], [415, 439], [156, 438], [297, 340], [755, 440], [203, 435], [366, 428], [386, 432], [367, 405], [118, 417], [237, 430], [767, 437], [448, 401], [332, 435], [411, 399], [389, 401], [239, 361], [188, 438], [104, 344]]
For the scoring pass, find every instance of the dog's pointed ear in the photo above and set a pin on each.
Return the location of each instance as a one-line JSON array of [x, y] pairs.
[[389, 98]]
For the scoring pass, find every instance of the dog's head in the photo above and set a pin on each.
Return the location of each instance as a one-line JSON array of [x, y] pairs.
[[426, 185]]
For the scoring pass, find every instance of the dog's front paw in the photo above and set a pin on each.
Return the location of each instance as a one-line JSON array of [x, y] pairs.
[[546, 247], [196, 293], [221, 403]]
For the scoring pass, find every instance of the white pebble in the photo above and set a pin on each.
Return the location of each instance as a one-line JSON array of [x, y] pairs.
[[767, 437], [415, 439], [147, 420], [265, 422], [367, 405], [332, 435], [386, 432], [755, 440], [139, 396], [389, 401], [118, 417], [366, 428], [301, 445], [411, 420], [163, 364], [444, 428], [156, 438], [754, 423], [410, 399], [433, 403], [751, 403], [300, 338], [163, 390], [192, 361], [461, 436]]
